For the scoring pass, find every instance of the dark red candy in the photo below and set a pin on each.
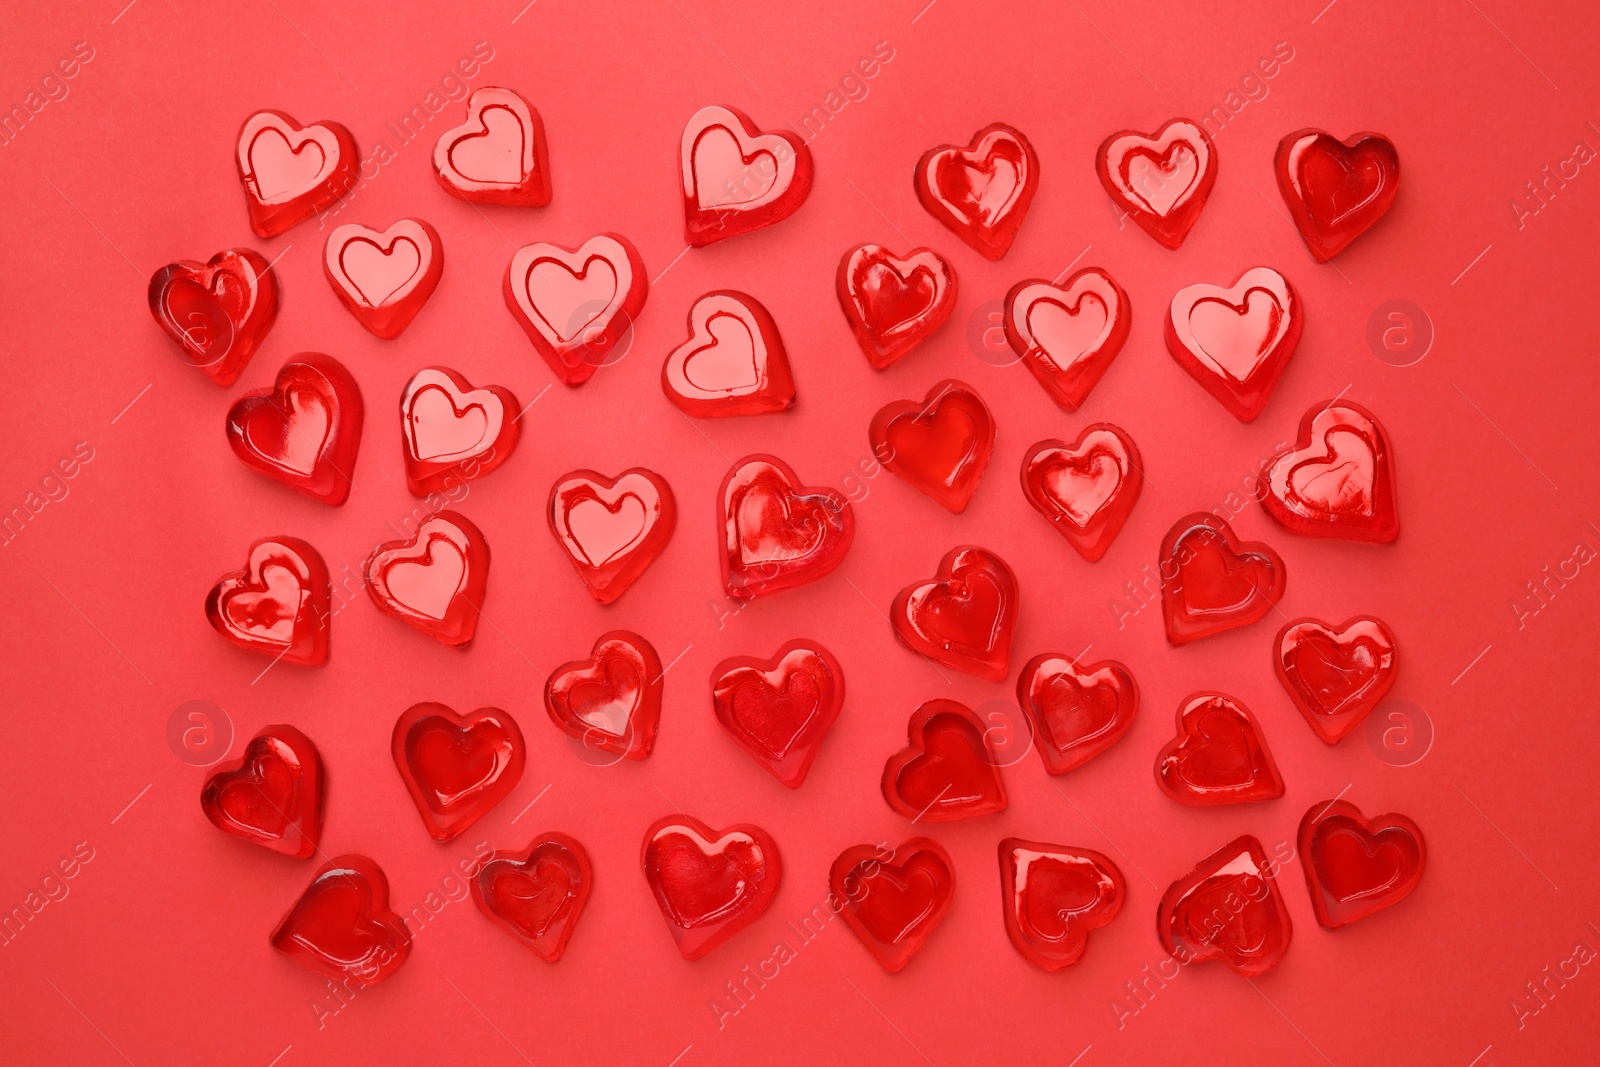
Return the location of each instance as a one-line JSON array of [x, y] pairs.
[[273, 795]]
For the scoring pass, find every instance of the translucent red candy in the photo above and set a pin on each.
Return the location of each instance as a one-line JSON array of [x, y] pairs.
[[948, 771], [1086, 489], [940, 444], [292, 172], [709, 884], [1228, 908], [733, 363], [273, 795], [1236, 341], [1335, 190], [1338, 480], [893, 899], [218, 312], [612, 700], [1218, 756], [279, 605], [434, 582], [1053, 896], [456, 767], [1161, 181], [1336, 675], [980, 193], [778, 533], [894, 304], [1356, 867], [498, 156], [611, 528], [965, 616], [453, 433], [577, 305], [305, 431], [1068, 334], [737, 179], [384, 278], [342, 925], [1076, 712], [537, 894], [779, 709], [1212, 582]]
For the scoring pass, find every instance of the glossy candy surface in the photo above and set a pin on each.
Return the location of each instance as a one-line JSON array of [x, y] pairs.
[[1228, 908], [218, 312], [1335, 190], [736, 178], [456, 767], [1338, 480], [1076, 712], [273, 795], [948, 771], [537, 894], [1236, 341], [1052, 896], [965, 616], [893, 899], [778, 533], [498, 156], [577, 305], [1211, 581], [1336, 675], [384, 277], [709, 884], [342, 926], [779, 709], [292, 172], [980, 193], [611, 528], [940, 444], [451, 432], [894, 304], [1356, 867], [305, 431], [1161, 181], [1068, 334], [733, 363], [1219, 755], [434, 582], [612, 700], [1086, 489], [279, 605]]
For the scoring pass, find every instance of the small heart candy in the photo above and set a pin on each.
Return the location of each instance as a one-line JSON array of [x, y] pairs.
[[894, 304], [498, 156], [342, 926], [279, 605], [709, 884], [1053, 896], [217, 312], [611, 528], [1356, 867], [893, 899], [965, 616], [1338, 480], [435, 581], [948, 771], [780, 709], [980, 193], [273, 795], [292, 172], [733, 362], [1086, 489], [303, 432], [1077, 712], [1336, 676], [1227, 908], [778, 533], [456, 767], [452, 432], [1237, 341], [1067, 335], [576, 305], [736, 178], [612, 700], [538, 894], [1212, 582], [940, 445], [1163, 181], [383, 279], [1218, 757], [1336, 190]]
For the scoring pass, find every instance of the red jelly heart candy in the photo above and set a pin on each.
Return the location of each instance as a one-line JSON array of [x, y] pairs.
[[980, 193], [1067, 335], [1336, 190], [965, 616], [778, 533], [1336, 676], [538, 893], [435, 581], [452, 432], [305, 430], [1236, 342], [279, 605], [217, 312], [456, 767], [733, 362], [383, 279], [1219, 755], [342, 925], [498, 156], [1077, 712], [612, 700], [1355, 866], [1227, 908], [1161, 182], [1338, 480], [710, 884], [780, 709], [737, 179], [940, 445], [1053, 895], [611, 528], [894, 304], [575, 305], [271, 796], [292, 172], [893, 899], [1086, 489], [948, 771], [1211, 581]]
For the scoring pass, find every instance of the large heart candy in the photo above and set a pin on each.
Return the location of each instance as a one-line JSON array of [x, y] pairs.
[[1086, 489], [780, 709], [279, 605], [1335, 190], [1163, 181], [217, 312], [894, 304], [452, 432], [538, 894], [1053, 895], [980, 193], [1236, 341], [1211, 581], [498, 156], [964, 617], [1336, 676], [1227, 908], [1077, 712], [733, 362], [435, 581], [1338, 480], [1067, 335], [710, 884], [305, 431], [576, 305], [1219, 755], [456, 767], [736, 178], [1356, 867], [273, 795], [778, 533], [948, 771], [940, 444], [342, 926], [611, 528], [384, 278], [893, 899], [612, 700], [292, 172]]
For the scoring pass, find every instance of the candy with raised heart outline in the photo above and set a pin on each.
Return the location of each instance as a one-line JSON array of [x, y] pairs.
[[454, 433], [1076, 712], [217, 312], [893, 899], [940, 445], [736, 178], [1086, 489], [273, 795], [384, 278], [980, 193], [779, 709], [1219, 755], [537, 894], [709, 884], [1161, 181], [733, 363], [292, 172], [498, 156], [1228, 908], [778, 533], [1212, 582], [1336, 675], [305, 431], [964, 616], [1338, 480], [948, 771], [342, 925], [611, 528], [435, 581], [1335, 190], [612, 700], [576, 305], [1236, 341], [894, 304], [1053, 895], [1067, 335], [456, 767], [1355, 867], [279, 605]]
